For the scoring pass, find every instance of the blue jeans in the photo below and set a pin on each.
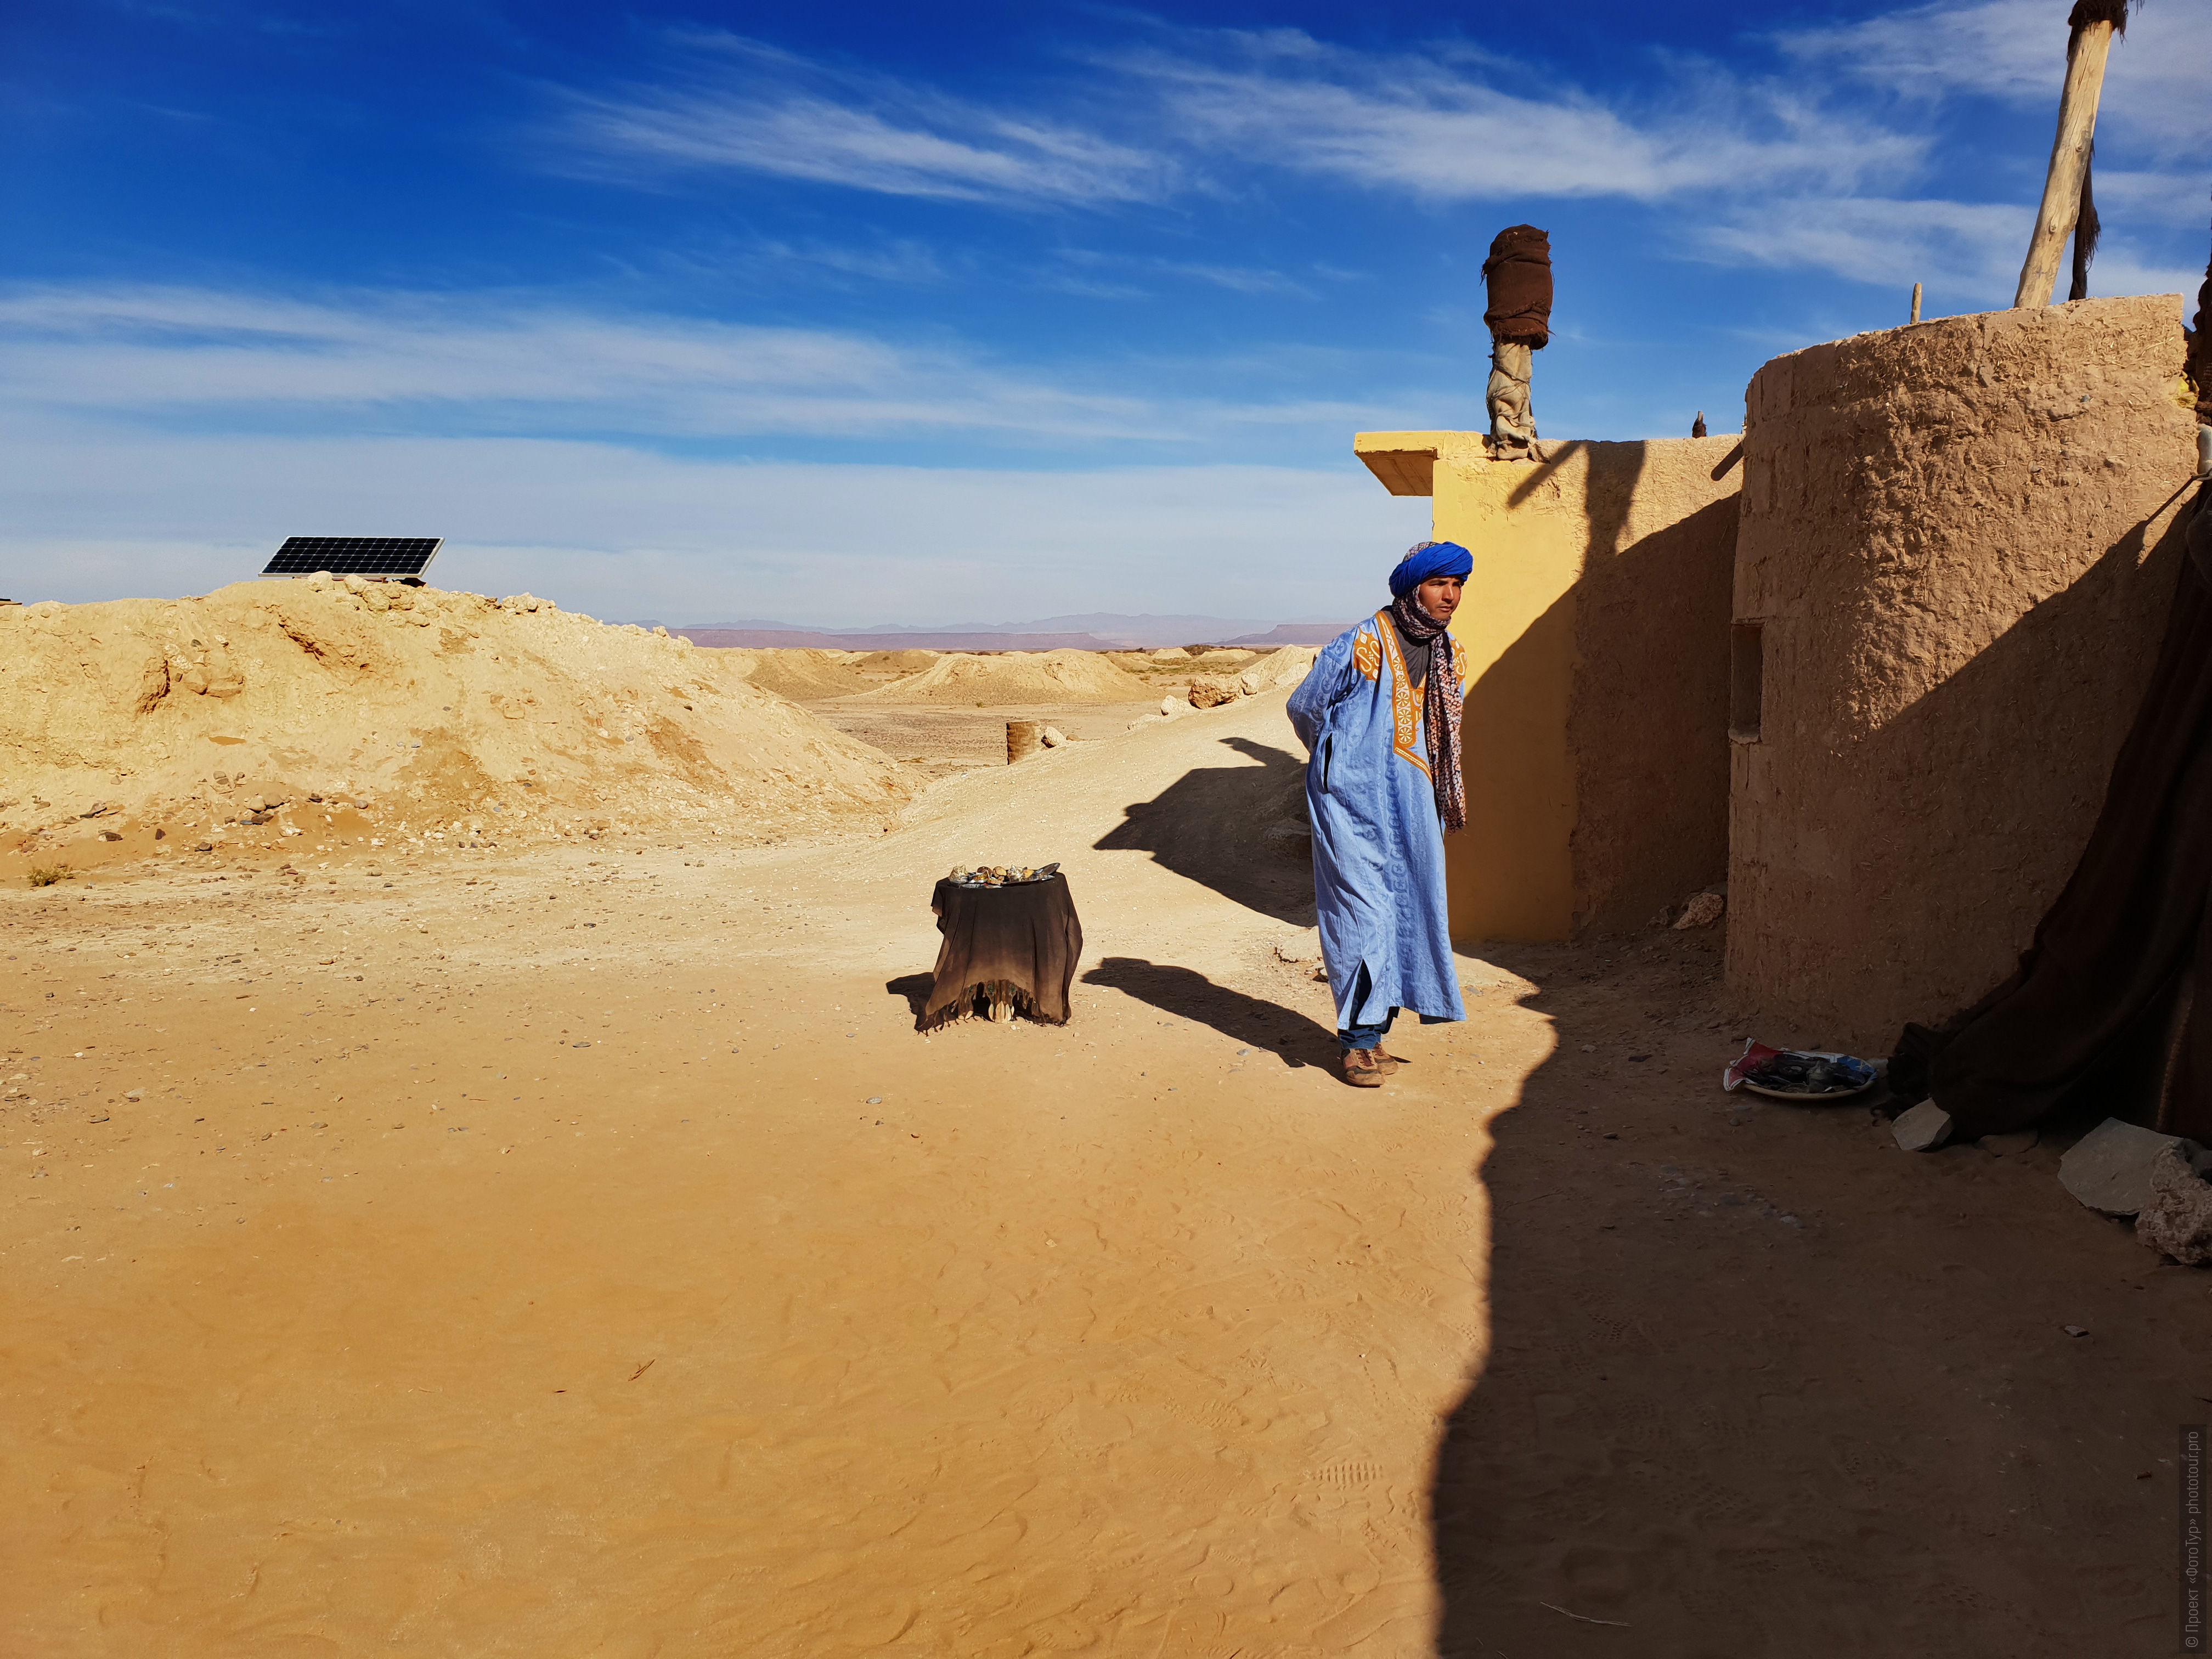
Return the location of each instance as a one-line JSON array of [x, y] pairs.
[[1364, 1036]]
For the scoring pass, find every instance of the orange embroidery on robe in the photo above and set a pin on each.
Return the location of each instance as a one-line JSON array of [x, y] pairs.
[[1405, 707], [1367, 655]]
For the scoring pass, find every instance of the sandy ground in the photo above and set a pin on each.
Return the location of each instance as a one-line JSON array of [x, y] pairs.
[[671, 1297]]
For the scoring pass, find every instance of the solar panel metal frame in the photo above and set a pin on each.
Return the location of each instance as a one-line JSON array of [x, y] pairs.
[[404, 557]]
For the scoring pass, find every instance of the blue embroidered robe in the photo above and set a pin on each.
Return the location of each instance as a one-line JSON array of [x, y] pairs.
[[1378, 850]]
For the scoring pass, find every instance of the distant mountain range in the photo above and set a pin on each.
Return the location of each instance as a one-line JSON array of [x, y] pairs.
[[1091, 631], [1292, 633]]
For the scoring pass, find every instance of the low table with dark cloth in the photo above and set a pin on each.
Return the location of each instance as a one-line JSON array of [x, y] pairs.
[[1017, 943]]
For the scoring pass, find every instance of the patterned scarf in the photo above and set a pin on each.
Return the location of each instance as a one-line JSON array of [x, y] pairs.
[[1440, 708]]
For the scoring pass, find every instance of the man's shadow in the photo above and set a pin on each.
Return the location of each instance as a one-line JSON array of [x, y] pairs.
[[1298, 1040], [1212, 825]]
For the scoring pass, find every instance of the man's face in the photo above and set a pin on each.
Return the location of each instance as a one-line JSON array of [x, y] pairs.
[[1439, 596]]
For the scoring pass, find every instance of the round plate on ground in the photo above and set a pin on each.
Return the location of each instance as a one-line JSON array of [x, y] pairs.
[[1854, 1076]]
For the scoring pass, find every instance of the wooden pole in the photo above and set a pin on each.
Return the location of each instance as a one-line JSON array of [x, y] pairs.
[[1916, 302], [2069, 155]]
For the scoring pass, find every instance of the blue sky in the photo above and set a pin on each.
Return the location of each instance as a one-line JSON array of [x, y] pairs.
[[864, 314]]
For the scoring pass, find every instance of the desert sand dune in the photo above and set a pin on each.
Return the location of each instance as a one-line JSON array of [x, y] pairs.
[[921, 680], [443, 711], [1017, 678], [799, 673], [806, 674]]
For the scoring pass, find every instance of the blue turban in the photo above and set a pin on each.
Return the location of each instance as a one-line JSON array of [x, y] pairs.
[[1428, 559]]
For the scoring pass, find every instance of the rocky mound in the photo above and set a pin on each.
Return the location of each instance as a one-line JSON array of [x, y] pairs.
[[1278, 671], [1016, 677], [357, 713]]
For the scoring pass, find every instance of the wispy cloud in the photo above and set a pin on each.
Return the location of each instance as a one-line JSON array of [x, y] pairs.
[[1968, 252], [798, 267], [1971, 248], [2156, 198], [2012, 48], [1813, 171], [509, 363], [1461, 127], [904, 263], [1237, 279], [490, 364], [2011, 53], [2015, 50], [771, 114], [1448, 125]]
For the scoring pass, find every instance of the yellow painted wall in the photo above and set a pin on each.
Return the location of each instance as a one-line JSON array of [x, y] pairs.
[[1546, 850]]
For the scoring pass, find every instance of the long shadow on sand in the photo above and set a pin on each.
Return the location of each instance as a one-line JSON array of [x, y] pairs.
[[916, 988], [1211, 825], [1248, 1019], [1667, 1450], [1758, 1385]]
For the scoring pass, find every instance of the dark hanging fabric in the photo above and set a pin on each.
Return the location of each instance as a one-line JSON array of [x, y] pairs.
[[1026, 936], [2114, 996], [1519, 278], [2200, 351], [2087, 229]]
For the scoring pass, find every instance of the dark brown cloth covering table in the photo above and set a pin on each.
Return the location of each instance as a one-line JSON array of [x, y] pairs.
[[1026, 936]]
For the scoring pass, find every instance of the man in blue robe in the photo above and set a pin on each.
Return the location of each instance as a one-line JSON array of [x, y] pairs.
[[1379, 714]]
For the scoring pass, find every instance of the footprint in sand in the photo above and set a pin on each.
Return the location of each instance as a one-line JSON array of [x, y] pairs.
[[1356, 1472]]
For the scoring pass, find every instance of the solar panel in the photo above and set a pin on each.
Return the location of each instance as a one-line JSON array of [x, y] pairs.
[[355, 555]]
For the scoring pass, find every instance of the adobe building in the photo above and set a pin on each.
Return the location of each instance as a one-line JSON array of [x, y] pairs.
[[1596, 627], [1952, 567]]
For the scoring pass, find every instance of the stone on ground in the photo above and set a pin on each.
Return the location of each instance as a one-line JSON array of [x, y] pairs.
[[1700, 910], [1924, 1128], [2109, 1168]]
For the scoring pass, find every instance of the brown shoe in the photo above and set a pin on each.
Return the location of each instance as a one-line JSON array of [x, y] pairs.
[[1360, 1070], [1385, 1062]]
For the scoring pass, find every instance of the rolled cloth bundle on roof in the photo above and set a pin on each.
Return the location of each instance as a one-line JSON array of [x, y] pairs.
[[1518, 275]]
